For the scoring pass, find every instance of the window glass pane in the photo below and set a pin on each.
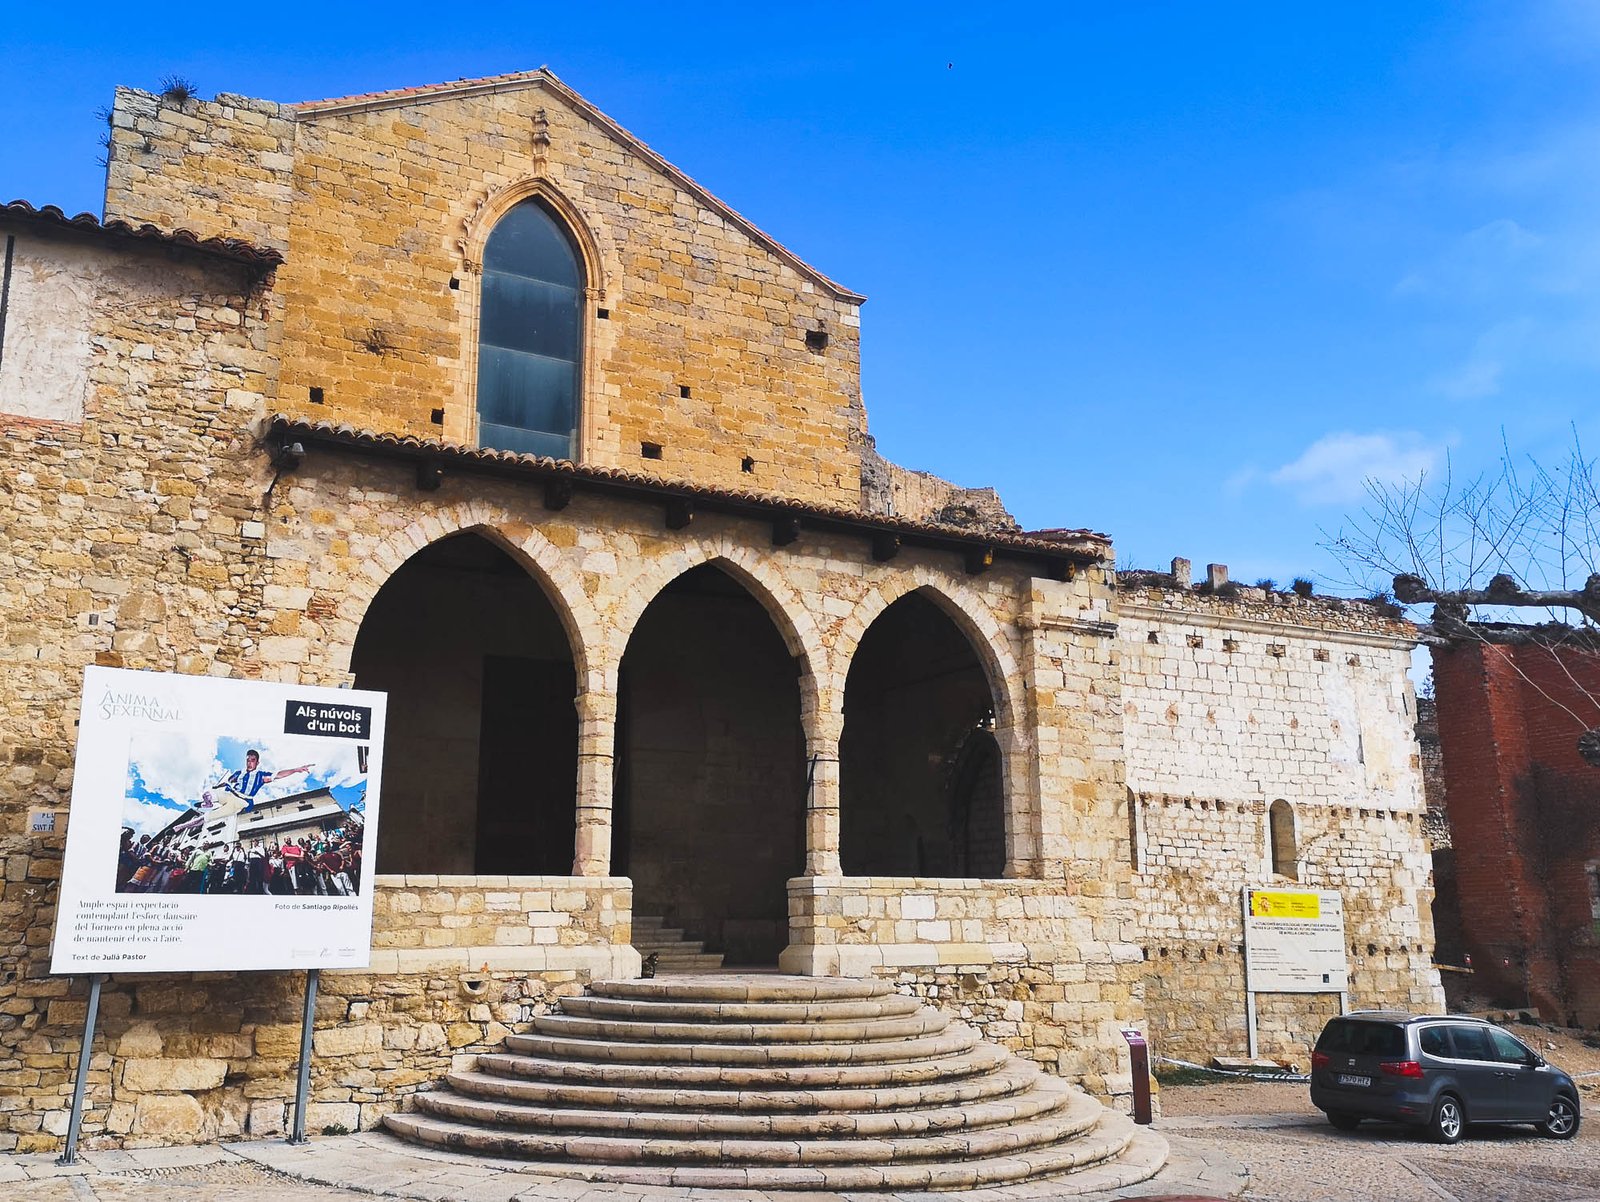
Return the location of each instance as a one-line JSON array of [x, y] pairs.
[[530, 329], [1472, 1043], [531, 391], [528, 242], [1433, 1042], [1507, 1049], [529, 315]]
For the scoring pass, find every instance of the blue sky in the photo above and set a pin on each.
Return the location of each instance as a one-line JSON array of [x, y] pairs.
[[1182, 273], [167, 771]]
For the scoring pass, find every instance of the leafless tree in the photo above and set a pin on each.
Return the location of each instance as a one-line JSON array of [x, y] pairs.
[[1521, 536], [1518, 539]]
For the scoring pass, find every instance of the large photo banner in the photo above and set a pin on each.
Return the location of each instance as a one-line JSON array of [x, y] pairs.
[[219, 825]]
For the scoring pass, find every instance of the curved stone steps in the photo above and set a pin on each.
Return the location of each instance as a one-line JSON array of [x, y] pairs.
[[824, 1031], [983, 1058], [981, 1085], [1109, 1138], [731, 987], [770, 1082], [957, 1037], [1046, 1097], [893, 1005]]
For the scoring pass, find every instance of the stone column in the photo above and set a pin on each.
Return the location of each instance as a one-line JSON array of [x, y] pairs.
[[597, 736], [823, 727]]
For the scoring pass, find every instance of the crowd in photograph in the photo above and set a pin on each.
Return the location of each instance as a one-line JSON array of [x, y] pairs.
[[325, 863]]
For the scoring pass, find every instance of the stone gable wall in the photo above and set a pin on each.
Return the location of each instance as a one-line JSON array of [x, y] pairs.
[[382, 214]]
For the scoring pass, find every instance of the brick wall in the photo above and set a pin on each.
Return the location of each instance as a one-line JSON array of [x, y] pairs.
[[1525, 809]]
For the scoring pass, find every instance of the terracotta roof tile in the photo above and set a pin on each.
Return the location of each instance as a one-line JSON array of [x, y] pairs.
[[262, 258], [1079, 545]]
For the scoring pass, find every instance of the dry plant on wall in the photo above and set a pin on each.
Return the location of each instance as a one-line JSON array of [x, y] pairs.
[[178, 90]]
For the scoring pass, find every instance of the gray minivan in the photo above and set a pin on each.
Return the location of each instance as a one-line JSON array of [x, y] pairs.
[[1437, 1072]]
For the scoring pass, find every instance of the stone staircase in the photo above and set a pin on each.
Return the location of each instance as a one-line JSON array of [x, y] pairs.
[[776, 1083], [674, 952]]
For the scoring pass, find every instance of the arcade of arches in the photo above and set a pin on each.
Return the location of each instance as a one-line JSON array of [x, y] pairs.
[[710, 775]]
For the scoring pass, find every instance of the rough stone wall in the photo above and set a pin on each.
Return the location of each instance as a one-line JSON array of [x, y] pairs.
[[219, 168], [923, 497], [1524, 804], [1026, 962], [1230, 705], [383, 211]]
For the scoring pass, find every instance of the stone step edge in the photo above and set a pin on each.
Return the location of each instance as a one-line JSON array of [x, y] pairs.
[[892, 1006], [956, 1038], [1049, 1131], [625, 1030], [1058, 1163], [1005, 1081], [753, 988], [1076, 1110], [979, 1060]]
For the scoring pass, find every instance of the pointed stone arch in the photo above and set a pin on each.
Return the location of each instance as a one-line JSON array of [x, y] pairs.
[[764, 581], [992, 647], [541, 558]]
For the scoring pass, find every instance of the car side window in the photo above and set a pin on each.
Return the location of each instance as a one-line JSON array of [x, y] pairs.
[[1472, 1043], [1507, 1049], [1433, 1042]]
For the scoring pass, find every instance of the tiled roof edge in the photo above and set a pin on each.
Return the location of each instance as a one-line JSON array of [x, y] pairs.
[[263, 259], [1084, 546]]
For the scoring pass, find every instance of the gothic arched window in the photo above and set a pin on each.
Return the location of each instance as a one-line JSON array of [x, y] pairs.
[[530, 335]]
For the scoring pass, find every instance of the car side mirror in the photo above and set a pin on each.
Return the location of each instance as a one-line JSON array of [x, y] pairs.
[[1533, 1060]]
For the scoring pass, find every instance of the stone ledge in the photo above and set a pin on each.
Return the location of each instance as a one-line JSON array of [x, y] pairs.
[[604, 961]]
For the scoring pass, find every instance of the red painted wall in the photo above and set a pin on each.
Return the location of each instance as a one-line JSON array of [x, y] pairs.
[[1525, 811]]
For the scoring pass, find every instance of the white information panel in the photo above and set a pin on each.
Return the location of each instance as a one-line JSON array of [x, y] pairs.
[[1294, 941], [219, 825]]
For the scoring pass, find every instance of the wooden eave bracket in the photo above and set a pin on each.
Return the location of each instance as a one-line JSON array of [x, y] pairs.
[[679, 512]]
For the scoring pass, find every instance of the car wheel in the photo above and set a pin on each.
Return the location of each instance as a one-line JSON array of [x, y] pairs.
[[1562, 1121], [1448, 1121], [1344, 1120]]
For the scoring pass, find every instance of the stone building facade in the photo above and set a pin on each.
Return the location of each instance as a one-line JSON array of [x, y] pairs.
[[824, 713]]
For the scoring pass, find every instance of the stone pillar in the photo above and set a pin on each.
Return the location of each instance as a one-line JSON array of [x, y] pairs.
[[823, 728], [597, 737]]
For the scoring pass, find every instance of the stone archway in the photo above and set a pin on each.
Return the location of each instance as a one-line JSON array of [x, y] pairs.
[[709, 806], [920, 778], [482, 742]]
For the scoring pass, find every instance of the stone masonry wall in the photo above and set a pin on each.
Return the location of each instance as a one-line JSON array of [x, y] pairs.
[[1231, 705], [1035, 967], [383, 211]]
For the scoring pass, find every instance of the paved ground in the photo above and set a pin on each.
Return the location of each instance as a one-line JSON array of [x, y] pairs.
[[1217, 1133]]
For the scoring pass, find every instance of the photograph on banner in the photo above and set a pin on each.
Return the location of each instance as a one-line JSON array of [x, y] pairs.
[[192, 824], [219, 825]]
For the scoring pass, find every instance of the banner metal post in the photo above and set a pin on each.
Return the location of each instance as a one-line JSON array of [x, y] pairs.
[[69, 1154], [303, 1086]]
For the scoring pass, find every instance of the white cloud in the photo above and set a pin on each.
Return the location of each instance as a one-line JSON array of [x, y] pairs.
[[1336, 467]]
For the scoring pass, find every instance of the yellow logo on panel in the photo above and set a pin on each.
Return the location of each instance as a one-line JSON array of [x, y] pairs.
[[1269, 903]]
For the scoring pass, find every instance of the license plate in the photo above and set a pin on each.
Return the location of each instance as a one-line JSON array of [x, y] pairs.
[[1352, 1079]]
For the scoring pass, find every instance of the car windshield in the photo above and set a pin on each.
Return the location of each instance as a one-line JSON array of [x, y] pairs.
[[1363, 1039]]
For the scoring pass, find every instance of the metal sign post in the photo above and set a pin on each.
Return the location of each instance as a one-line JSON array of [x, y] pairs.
[[302, 1088], [69, 1154]]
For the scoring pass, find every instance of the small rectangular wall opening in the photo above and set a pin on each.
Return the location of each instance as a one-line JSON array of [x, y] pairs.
[[650, 450]]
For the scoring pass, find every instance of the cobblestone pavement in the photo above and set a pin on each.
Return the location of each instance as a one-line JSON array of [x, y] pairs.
[[1290, 1157], [1301, 1158], [356, 1167]]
